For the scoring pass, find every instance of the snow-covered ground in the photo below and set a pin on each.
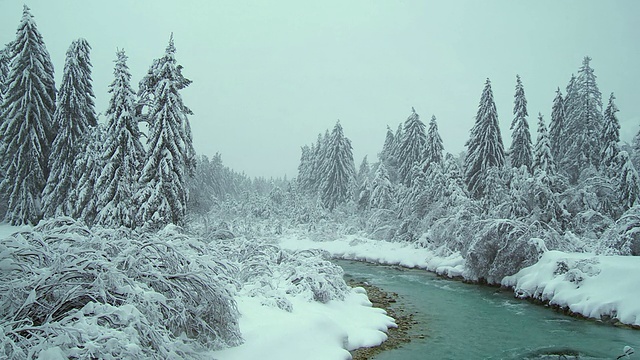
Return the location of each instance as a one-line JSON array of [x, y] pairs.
[[594, 286], [311, 331], [354, 247]]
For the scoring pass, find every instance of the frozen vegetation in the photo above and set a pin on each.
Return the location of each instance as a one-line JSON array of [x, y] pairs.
[[115, 247]]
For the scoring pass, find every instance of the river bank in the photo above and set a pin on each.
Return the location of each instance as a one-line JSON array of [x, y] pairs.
[[461, 320], [404, 319]]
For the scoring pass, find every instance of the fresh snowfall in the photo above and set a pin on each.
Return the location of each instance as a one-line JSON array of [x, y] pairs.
[[120, 241]]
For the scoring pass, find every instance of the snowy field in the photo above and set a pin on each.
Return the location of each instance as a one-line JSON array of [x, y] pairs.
[[598, 287], [311, 331], [353, 247]]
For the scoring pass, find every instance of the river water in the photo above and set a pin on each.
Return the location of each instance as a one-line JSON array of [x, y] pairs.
[[465, 321]]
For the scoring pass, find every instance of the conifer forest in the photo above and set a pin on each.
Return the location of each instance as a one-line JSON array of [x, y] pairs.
[[124, 242]]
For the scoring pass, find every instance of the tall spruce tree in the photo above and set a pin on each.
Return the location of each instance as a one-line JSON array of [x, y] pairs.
[[485, 149], [304, 168], [147, 97], [387, 147], [123, 153], [339, 170], [584, 122], [163, 195], [73, 117], [434, 148], [610, 136], [381, 189], [521, 153], [412, 145], [556, 128], [543, 157], [27, 113]]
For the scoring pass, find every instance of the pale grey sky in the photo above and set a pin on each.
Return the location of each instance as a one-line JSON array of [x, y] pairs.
[[268, 76]]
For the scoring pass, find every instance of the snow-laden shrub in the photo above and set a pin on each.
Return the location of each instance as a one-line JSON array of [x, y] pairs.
[[501, 248], [264, 270], [623, 238], [105, 293]]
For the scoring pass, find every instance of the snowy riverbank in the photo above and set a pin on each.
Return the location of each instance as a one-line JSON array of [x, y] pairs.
[[599, 287], [311, 331], [353, 247]]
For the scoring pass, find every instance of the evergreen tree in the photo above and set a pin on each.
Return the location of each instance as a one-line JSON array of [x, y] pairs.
[[73, 116], [147, 97], [304, 168], [610, 135], [628, 182], [485, 149], [520, 153], [381, 189], [87, 168], [434, 147], [387, 148], [163, 195], [584, 123], [363, 171], [339, 170], [411, 149], [557, 125], [5, 59], [123, 153], [543, 158], [27, 114]]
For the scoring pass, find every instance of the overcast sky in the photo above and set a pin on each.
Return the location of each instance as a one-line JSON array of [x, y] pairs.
[[268, 76]]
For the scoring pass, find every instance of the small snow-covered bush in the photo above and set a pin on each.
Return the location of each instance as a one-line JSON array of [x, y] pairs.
[[264, 270], [105, 293]]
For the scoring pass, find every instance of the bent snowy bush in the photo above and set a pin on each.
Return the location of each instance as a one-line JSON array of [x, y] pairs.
[[265, 270], [105, 293]]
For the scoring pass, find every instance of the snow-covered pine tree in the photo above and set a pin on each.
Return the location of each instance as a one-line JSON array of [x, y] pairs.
[[123, 153], [86, 169], [387, 147], [543, 158], [556, 127], [381, 189], [411, 149], [339, 171], [27, 115], [584, 122], [364, 195], [628, 182], [520, 153], [74, 115], [610, 136], [485, 149], [304, 168], [147, 97], [393, 168], [433, 148], [571, 108], [363, 170], [163, 193]]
